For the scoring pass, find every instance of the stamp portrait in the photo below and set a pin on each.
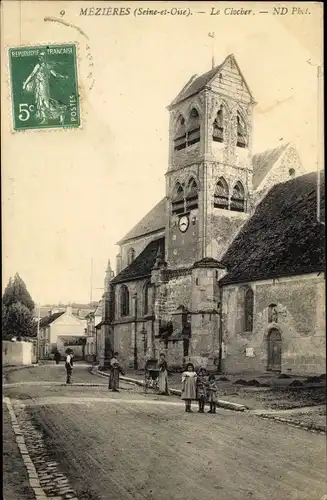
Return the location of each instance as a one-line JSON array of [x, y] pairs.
[[44, 87]]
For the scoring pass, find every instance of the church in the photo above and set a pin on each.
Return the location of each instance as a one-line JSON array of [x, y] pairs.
[[227, 270]]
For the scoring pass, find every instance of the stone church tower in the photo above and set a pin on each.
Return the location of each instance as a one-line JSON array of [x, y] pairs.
[[209, 180], [209, 192]]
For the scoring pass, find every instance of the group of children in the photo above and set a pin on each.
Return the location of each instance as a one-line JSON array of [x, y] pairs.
[[200, 387]]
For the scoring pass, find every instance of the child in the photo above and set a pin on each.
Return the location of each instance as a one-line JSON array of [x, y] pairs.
[[212, 394], [189, 386], [201, 389]]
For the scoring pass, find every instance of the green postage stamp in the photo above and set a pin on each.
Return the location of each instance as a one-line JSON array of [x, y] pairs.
[[44, 87]]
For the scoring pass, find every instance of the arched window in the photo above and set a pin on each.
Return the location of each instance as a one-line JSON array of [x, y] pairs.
[[237, 202], [248, 309], [124, 301], [130, 255], [241, 132], [193, 130], [221, 196], [245, 305], [192, 195], [272, 313], [148, 296], [180, 135], [218, 126], [178, 199]]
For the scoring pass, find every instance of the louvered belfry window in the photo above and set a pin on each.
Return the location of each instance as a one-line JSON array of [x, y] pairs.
[[193, 130], [218, 126], [192, 195], [241, 132], [180, 135], [221, 196], [237, 203], [178, 201]]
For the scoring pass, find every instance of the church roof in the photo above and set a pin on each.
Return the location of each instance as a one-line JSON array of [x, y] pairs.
[[263, 162], [198, 83], [143, 264], [283, 237], [153, 221]]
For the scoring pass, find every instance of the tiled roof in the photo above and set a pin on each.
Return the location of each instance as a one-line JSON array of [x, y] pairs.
[[50, 319], [196, 84], [153, 221], [143, 263], [263, 163], [283, 237]]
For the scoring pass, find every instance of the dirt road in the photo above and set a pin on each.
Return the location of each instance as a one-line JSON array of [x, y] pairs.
[[134, 446]]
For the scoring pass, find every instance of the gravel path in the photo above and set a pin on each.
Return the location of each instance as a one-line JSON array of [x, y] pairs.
[[106, 446]]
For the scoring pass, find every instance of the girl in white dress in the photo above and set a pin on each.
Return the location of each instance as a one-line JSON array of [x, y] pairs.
[[189, 386]]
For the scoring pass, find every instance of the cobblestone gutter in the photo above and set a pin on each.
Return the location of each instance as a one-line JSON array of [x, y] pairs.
[[295, 423], [45, 479]]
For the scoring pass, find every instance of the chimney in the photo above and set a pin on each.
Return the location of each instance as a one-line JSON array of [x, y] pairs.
[[69, 310]]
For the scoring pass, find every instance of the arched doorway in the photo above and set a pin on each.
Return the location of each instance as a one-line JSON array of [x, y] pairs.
[[274, 350]]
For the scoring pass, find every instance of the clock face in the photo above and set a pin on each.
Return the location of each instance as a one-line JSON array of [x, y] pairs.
[[183, 223]]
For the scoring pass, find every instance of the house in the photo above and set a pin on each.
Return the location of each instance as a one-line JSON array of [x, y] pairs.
[[92, 321], [60, 330], [227, 270]]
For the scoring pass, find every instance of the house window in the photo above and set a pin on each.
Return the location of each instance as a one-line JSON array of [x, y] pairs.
[[272, 313], [193, 131], [186, 347], [180, 135], [221, 195], [178, 202], [291, 172], [148, 296], [237, 203], [124, 301], [192, 195], [130, 255], [218, 126], [241, 132]]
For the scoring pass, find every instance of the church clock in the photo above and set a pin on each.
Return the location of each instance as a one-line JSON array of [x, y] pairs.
[[183, 223]]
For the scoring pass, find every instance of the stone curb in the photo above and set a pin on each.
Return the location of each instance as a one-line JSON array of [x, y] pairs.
[[176, 392], [300, 425], [34, 479]]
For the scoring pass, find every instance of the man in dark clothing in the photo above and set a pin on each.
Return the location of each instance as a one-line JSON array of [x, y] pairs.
[[57, 357], [69, 366]]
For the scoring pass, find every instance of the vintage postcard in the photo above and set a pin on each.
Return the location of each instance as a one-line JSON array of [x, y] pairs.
[[163, 228]]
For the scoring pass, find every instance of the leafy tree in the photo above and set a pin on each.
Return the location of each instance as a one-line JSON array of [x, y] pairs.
[[18, 322], [17, 310], [16, 291]]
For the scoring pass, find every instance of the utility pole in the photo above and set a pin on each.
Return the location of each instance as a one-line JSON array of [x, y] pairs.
[[320, 135], [91, 282]]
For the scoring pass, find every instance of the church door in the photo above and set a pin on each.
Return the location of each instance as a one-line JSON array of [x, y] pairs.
[[274, 350]]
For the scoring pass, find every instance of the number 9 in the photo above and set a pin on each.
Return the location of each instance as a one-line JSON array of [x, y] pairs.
[[62, 13]]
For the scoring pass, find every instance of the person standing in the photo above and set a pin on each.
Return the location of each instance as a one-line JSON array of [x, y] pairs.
[[163, 375], [189, 377], [69, 366], [212, 393], [57, 357], [115, 371], [201, 389]]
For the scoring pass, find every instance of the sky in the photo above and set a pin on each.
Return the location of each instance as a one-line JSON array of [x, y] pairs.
[[69, 196]]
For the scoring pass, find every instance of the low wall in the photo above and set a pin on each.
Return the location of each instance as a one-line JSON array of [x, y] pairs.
[[16, 353]]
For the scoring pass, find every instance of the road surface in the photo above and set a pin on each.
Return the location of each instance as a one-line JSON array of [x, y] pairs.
[[132, 446]]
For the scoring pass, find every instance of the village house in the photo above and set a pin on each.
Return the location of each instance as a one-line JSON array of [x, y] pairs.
[[227, 270], [93, 319], [60, 330]]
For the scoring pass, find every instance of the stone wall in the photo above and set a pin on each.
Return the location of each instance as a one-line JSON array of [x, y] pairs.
[[300, 306], [16, 353]]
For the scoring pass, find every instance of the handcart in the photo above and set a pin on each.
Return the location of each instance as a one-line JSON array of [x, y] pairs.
[[151, 375]]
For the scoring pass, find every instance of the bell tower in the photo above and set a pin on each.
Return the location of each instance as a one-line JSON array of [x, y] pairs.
[[209, 178]]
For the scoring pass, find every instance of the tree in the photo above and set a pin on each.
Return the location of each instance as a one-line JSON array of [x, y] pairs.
[[16, 291], [17, 310], [18, 322]]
